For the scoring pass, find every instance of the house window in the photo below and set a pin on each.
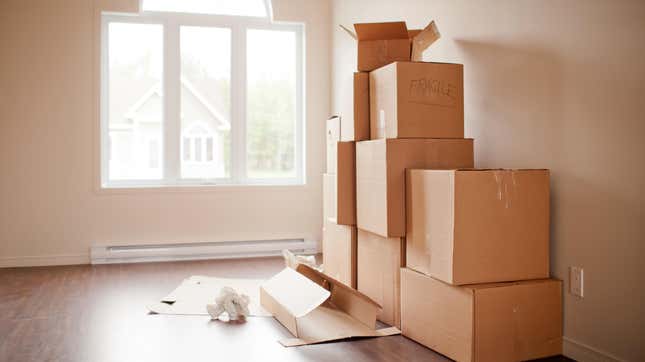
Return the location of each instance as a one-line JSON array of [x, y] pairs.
[[190, 99]]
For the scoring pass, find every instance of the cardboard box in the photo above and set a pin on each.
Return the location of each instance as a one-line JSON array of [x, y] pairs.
[[333, 137], [379, 262], [417, 100], [380, 176], [317, 308], [340, 188], [498, 322], [339, 252], [339, 241], [355, 122], [382, 43], [478, 226]]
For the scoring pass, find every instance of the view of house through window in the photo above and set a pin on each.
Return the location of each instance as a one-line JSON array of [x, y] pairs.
[[205, 101], [135, 101], [198, 100]]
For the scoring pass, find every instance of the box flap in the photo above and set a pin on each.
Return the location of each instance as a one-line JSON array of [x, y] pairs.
[[423, 40], [295, 292], [381, 31], [414, 32], [349, 300], [332, 332], [351, 33]]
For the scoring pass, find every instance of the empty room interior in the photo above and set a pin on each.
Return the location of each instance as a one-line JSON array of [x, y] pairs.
[[322, 180]]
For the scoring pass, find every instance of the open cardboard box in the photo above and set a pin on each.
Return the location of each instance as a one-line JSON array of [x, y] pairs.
[[317, 308], [382, 43]]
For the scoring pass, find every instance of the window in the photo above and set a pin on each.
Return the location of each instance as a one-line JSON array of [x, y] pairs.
[[223, 7], [192, 99]]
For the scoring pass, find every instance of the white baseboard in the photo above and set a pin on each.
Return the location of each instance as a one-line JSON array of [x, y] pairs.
[[585, 353], [44, 260]]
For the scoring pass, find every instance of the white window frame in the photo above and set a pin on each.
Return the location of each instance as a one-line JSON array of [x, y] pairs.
[[171, 137]]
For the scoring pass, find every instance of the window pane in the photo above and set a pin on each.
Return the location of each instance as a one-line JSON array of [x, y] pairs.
[[186, 149], [271, 112], [223, 7], [198, 149], [135, 100], [209, 149], [206, 99]]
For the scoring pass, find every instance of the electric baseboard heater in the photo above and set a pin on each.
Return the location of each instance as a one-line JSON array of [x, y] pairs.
[[116, 254]]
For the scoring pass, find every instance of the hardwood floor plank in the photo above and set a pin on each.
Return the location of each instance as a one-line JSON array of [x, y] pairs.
[[98, 313]]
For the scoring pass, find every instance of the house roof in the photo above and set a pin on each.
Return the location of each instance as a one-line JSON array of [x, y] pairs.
[[155, 90]]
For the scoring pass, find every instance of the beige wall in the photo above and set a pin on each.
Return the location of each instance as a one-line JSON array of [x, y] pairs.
[[557, 84], [51, 211]]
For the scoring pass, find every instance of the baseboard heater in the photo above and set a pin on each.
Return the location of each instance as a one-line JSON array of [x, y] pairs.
[[199, 251]]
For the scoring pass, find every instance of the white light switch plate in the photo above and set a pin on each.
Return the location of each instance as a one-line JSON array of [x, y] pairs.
[[576, 281]]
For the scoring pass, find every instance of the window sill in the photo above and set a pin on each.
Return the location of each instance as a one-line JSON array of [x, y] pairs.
[[204, 188]]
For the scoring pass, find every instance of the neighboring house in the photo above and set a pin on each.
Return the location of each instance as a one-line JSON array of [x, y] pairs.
[[136, 135]]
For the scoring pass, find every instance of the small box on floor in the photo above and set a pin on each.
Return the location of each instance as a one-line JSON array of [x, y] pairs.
[[380, 176], [514, 321], [316, 308], [417, 100], [378, 272], [478, 226]]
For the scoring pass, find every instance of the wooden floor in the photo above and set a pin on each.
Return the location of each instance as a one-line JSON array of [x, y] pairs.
[[98, 313]]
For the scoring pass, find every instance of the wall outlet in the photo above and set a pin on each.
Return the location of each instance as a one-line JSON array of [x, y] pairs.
[[576, 281]]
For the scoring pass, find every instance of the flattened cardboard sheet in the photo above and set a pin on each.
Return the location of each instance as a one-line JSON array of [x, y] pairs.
[[194, 293]]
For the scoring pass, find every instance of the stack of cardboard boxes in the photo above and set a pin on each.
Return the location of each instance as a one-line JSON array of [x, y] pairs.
[[458, 258]]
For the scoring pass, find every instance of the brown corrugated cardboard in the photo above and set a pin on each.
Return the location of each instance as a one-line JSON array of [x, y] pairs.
[[333, 136], [497, 322], [339, 252], [355, 124], [382, 43], [380, 176], [478, 226], [317, 308], [417, 100], [339, 241], [341, 187], [378, 273]]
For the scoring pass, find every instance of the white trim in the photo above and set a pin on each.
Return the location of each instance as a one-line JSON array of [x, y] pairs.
[[171, 103], [44, 260], [238, 104], [199, 251], [171, 110], [585, 353]]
